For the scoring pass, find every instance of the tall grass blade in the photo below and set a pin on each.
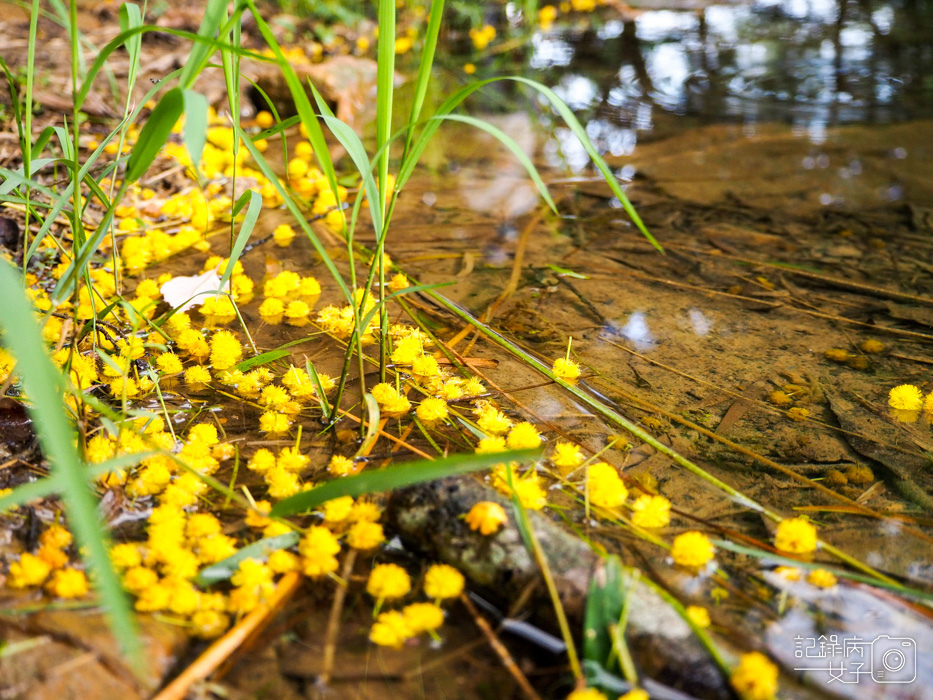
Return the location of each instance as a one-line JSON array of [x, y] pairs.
[[385, 90], [194, 132], [252, 200], [396, 477], [45, 386]]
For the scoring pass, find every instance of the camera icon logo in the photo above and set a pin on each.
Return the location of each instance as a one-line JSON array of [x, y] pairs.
[[893, 659]]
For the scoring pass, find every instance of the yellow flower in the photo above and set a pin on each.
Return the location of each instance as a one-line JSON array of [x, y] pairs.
[[486, 517], [546, 17], [788, 573], [338, 509], [651, 511], [271, 310], [755, 677], [139, 579], [606, 488], [443, 581], [168, 363], [635, 694], [492, 421], [125, 556], [282, 561], [906, 397], [586, 694], [56, 536], [692, 549], [208, 624], [281, 483], [196, 375], [425, 366], [262, 461], [822, 578], [523, 436], [390, 630], [30, 570], [423, 617], [365, 535], [68, 583], [225, 350], [274, 423], [388, 581], [432, 409], [490, 444], [469, 68], [567, 455], [283, 233], [699, 615], [343, 466], [318, 549], [565, 369], [795, 535]]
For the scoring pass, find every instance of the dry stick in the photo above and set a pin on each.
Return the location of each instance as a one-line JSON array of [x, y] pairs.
[[224, 647], [333, 621], [500, 649], [764, 460], [516, 269]]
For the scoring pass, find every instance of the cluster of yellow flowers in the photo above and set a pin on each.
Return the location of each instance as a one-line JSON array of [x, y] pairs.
[[49, 566], [390, 582], [547, 14], [908, 402]]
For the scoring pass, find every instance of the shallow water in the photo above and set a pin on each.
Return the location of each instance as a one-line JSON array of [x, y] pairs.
[[782, 154]]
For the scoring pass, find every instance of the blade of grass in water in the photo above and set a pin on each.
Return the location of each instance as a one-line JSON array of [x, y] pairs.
[[378, 481], [44, 385]]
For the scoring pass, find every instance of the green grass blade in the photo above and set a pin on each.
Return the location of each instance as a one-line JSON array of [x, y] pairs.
[[259, 550], [194, 132], [397, 477], [155, 133], [131, 18], [45, 386], [385, 90], [425, 67], [210, 23], [300, 97], [516, 150], [252, 200]]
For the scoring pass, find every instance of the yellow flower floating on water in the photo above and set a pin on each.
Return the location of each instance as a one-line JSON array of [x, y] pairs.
[[822, 578], [606, 488], [486, 517], [388, 581], [698, 615], [566, 369], [795, 535], [651, 511], [443, 581], [390, 630], [755, 677], [906, 397], [423, 617], [693, 550]]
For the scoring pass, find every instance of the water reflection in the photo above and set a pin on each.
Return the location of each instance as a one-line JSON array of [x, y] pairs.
[[810, 63]]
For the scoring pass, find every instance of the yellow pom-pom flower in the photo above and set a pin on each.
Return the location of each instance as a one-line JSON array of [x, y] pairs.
[[566, 369], [606, 488], [795, 535], [443, 581], [755, 677], [692, 550], [486, 517], [225, 350], [523, 436], [390, 630], [651, 511], [388, 581], [906, 397], [822, 578], [432, 409], [423, 617]]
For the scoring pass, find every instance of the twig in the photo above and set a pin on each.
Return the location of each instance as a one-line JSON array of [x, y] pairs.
[[221, 650], [500, 649], [333, 621]]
